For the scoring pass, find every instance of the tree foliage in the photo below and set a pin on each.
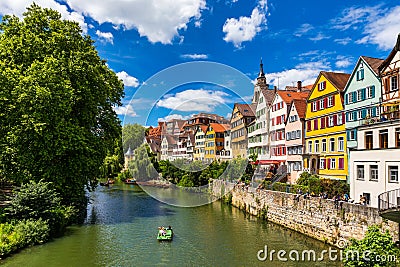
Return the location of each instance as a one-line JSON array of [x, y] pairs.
[[375, 249], [317, 185], [132, 136], [57, 121]]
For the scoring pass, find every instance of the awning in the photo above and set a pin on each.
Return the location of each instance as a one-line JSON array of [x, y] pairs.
[[266, 162]]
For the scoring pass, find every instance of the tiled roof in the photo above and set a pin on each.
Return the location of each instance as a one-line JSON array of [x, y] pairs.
[[220, 128], [289, 96], [268, 95], [374, 63], [246, 110], [338, 79], [301, 106]]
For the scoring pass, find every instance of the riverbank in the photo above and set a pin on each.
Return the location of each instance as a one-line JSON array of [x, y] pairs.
[[315, 217]]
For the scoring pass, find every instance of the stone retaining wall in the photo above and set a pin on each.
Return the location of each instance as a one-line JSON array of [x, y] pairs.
[[314, 217]]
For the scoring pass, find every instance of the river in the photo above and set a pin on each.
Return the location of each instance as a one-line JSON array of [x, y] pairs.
[[121, 230]]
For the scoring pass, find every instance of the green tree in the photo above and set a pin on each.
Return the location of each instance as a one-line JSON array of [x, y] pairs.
[[57, 95], [375, 249], [141, 167], [132, 136]]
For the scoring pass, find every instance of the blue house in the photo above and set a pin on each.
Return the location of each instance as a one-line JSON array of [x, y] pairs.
[[363, 95]]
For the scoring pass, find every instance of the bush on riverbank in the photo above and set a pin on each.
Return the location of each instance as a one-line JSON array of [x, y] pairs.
[[19, 234]]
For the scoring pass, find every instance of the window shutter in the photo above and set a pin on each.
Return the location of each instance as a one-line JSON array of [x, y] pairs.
[[334, 120], [355, 115], [373, 112], [324, 163], [387, 88], [328, 164], [325, 102], [362, 73], [327, 121], [316, 124], [354, 97], [373, 91], [363, 95], [322, 123], [333, 101], [308, 125], [347, 99], [364, 113], [341, 163]]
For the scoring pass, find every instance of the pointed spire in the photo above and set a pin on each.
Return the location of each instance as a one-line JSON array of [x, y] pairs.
[[261, 74]]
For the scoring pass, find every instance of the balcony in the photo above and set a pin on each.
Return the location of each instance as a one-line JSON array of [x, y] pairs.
[[389, 205]]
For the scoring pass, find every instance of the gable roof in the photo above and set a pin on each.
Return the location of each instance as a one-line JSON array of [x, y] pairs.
[[387, 61], [337, 79], [268, 96], [301, 107], [220, 128], [373, 63], [289, 96], [245, 109]]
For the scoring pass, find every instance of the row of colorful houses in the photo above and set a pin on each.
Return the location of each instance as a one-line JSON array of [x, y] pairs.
[[344, 126]]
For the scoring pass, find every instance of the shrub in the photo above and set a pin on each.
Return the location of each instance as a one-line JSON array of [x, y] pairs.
[[20, 234]]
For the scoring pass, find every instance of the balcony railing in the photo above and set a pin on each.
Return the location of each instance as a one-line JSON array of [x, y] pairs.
[[389, 200]]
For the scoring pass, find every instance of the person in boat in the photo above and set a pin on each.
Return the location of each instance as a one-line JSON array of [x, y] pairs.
[[169, 227], [162, 231]]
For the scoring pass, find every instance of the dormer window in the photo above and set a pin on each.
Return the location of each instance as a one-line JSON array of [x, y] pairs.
[[321, 86]]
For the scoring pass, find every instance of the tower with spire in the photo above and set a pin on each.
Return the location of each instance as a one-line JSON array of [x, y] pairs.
[[260, 84]]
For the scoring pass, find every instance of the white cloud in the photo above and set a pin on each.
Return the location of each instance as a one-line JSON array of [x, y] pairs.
[[304, 29], [18, 7], [378, 25], [383, 30], [343, 62], [228, 115], [245, 28], [320, 36], [127, 79], [194, 56], [174, 116], [158, 20], [343, 41], [305, 72], [126, 110], [193, 100], [105, 36]]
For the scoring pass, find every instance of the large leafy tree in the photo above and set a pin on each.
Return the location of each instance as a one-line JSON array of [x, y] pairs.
[[57, 121]]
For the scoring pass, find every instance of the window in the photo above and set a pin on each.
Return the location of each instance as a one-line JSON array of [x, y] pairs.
[[360, 74], [330, 121], [359, 95], [322, 163], [309, 146], [350, 116], [352, 135], [393, 83], [373, 172], [333, 163], [369, 140], [339, 119], [360, 172], [397, 136], [316, 145], [332, 144], [331, 101], [341, 144], [371, 91], [314, 106], [321, 104], [323, 145], [350, 98], [393, 174], [383, 138], [321, 86], [298, 134]]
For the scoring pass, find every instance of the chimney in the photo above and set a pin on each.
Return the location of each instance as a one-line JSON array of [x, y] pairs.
[[298, 86], [275, 88]]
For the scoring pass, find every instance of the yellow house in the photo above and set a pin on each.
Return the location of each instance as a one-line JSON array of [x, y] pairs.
[[325, 127], [214, 141]]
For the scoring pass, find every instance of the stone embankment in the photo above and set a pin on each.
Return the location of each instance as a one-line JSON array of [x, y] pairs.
[[323, 219]]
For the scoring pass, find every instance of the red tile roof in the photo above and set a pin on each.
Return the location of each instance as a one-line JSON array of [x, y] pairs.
[[246, 110], [289, 96], [374, 63], [220, 128], [301, 107], [337, 79]]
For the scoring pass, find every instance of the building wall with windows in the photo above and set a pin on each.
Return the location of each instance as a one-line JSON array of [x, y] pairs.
[[325, 127], [199, 142], [242, 116], [362, 97], [375, 163], [278, 113], [294, 129]]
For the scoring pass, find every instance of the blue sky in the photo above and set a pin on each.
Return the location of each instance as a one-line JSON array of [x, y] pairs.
[[163, 49]]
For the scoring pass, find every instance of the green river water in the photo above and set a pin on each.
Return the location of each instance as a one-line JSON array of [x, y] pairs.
[[122, 225]]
